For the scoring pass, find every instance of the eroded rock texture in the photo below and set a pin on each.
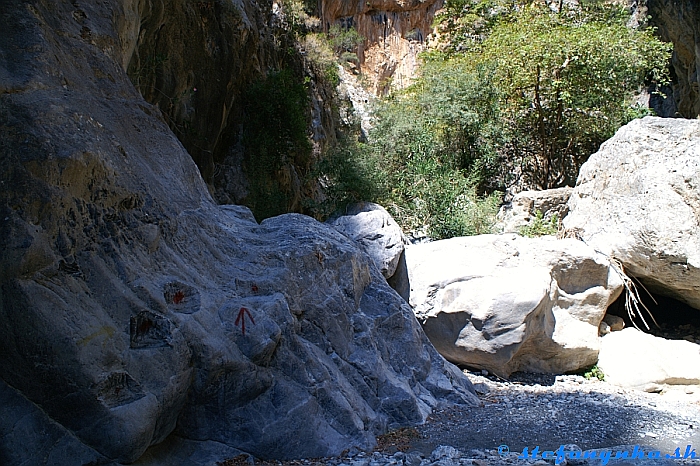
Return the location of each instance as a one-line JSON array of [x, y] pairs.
[[132, 308], [394, 30], [374, 229]]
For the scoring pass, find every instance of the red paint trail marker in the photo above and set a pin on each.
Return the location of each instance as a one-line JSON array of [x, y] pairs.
[[241, 318]]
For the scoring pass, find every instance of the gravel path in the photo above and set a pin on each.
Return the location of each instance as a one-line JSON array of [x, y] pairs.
[[536, 410]]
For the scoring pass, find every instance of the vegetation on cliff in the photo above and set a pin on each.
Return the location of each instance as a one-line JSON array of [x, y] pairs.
[[275, 134], [516, 94]]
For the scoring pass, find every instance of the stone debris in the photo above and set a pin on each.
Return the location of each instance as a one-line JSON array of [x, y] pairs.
[[526, 205]]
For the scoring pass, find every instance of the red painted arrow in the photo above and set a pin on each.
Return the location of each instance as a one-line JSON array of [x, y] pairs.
[[241, 318]]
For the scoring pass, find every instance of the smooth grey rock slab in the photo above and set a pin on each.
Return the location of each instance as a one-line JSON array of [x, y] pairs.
[[373, 227]]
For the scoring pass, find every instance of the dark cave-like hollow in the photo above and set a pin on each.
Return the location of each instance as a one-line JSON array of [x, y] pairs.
[[676, 320]]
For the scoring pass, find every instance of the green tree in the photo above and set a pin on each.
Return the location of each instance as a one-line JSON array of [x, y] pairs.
[[437, 141], [275, 138], [568, 80]]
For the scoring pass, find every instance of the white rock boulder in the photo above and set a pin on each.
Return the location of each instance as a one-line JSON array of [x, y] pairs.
[[506, 303], [636, 359], [373, 228], [638, 200]]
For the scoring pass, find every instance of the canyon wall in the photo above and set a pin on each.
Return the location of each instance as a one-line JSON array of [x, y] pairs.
[[678, 21], [135, 311], [204, 65], [395, 32]]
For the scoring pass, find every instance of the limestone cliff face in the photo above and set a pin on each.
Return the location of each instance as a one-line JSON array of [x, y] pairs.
[[394, 30], [678, 21], [192, 59], [134, 310]]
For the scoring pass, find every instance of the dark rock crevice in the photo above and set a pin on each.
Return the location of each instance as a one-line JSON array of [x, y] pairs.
[[679, 22], [676, 320]]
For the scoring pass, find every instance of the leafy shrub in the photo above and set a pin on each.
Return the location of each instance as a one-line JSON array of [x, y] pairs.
[[322, 57], [594, 372], [350, 172], [540, 227], [297, 18], [344, 39], [438, 150]]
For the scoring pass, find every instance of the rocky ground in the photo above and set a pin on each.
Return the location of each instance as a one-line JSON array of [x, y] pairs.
[[545, 411]]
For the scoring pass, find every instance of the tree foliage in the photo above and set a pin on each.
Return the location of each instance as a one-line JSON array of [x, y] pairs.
[[275, 136], [437, 142], [568, 80]]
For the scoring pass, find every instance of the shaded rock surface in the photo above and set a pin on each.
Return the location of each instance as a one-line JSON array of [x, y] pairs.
[[506, 303], [198, 62], [638, 200], [21, 420], [376, 231], [524, 207], [191, 60], [133, 308], [635, 359], [678, 21]]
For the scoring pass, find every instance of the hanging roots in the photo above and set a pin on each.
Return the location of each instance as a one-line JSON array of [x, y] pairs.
[[632, 298]]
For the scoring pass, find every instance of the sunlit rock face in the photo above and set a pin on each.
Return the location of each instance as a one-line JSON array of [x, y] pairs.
[[394, 31], [638, 200]]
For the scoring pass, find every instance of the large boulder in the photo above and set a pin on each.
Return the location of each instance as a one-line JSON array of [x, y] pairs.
[[134, 310], [638, 200], [506, 303], [371, 226], [633, 358]]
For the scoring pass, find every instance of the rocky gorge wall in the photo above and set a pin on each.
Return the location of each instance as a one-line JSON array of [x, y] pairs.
[[678, 21], [199, 62], [134, 310], [395, 32]]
